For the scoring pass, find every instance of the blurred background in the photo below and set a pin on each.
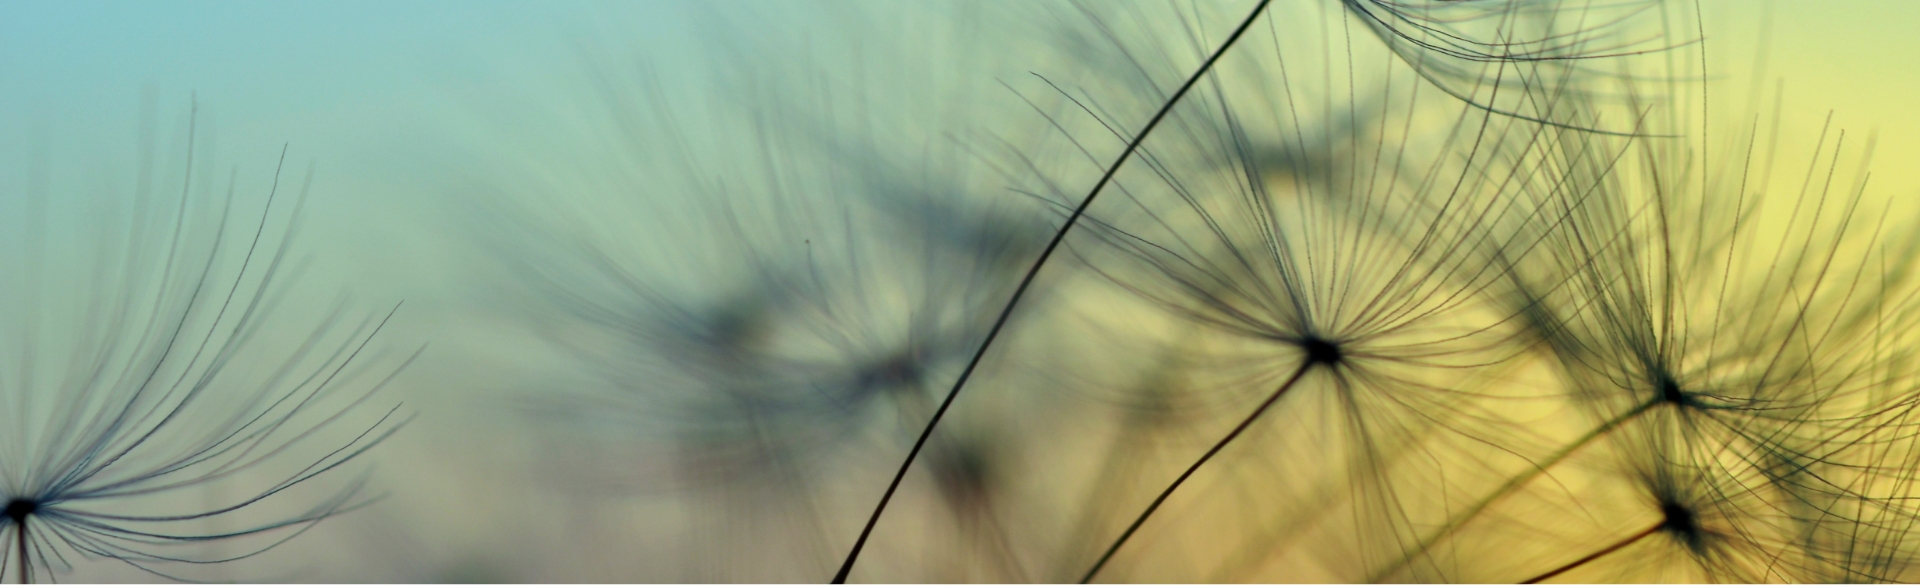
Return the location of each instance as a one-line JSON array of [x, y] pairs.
[[432, 127]]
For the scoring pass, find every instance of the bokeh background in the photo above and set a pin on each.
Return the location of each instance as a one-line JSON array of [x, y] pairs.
[[429, 122]]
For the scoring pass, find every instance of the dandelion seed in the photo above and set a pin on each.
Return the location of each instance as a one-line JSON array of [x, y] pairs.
[[1731, 350], [157, 377], [1365, 278], [791, 326]]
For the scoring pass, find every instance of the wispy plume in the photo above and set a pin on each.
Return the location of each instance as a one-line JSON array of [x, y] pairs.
[[152, 419]]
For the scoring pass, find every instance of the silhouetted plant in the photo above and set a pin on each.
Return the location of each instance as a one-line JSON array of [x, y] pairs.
[[1745, 360], [1423, 286], [764, 332], [149, 373]]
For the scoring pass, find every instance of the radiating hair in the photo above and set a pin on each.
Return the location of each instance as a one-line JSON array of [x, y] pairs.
[[151, 365]]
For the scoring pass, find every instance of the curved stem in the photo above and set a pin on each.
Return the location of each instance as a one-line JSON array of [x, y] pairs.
[[1603, 552], [1006, 312], [1510, 486], [1164, 494], [20, 539]]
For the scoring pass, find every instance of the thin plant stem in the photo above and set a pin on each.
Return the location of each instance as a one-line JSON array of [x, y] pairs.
[[1601, 553], [1117, 458], [1276, 539], [1026, 281], [1215, 450], [20, 548], [1512, 485]]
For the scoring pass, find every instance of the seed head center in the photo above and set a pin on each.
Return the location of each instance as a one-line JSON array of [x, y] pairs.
[[898, 372], [18, 509], [1679, 520], [1670, 391], [1321, 351]]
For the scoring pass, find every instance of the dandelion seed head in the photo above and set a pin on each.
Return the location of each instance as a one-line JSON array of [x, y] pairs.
[[770, 317], [190, 388]]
